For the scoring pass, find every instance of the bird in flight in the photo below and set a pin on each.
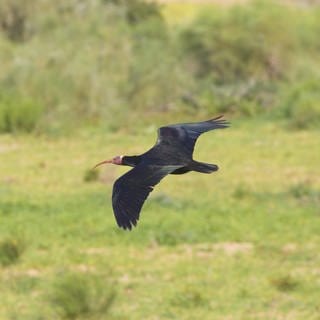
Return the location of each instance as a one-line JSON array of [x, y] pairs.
[[171, 154]]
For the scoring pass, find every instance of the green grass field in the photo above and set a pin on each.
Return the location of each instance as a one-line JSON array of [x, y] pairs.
[[242, 243]]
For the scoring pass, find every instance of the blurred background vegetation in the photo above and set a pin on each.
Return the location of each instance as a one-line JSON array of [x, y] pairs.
[[77, 76], [104, 63]]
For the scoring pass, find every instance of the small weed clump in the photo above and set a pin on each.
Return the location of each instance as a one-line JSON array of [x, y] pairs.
[[305, 193], [82, 296], [241, 192], [300, 103], [300, 190], [11, 250], [170, 238], [91, 175], [284, 283], [189, 298], [18, 113]]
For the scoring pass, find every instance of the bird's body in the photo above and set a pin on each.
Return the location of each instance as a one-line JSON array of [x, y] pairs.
[[172, 154]]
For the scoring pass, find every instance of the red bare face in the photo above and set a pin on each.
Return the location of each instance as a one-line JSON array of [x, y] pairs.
[[115, 160]]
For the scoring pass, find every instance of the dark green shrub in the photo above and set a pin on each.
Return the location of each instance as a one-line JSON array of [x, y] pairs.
[[242, 43], [81, 296], [18, 113], [156, 79], [305, 192], [284, 283], [300, 104], [241, 192], [91, 175], [301, 190], [172, 238], [11, 250], [189, 297], [138, 10], [240, 55], [14, 19]]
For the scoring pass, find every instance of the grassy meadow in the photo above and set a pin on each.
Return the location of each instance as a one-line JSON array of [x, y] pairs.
[[82, 81], [239, 244]]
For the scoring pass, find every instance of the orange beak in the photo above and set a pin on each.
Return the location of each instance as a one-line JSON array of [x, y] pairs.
[[102, 162]]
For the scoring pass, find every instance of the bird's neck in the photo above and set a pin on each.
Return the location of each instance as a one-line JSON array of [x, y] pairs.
[[131, 161]]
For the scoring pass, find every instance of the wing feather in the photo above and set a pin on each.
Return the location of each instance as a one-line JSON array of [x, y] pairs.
[[187, 133], [132, 189]]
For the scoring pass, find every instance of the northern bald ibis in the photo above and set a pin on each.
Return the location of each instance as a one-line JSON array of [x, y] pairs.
[[172, 154]]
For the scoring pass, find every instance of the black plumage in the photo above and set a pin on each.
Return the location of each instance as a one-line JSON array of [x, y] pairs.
[[172, 154]]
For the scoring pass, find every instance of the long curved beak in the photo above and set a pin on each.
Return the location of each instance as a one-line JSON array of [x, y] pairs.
[[102, 162]]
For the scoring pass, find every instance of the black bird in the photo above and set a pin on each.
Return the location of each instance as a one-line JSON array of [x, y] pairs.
[[172, 154]]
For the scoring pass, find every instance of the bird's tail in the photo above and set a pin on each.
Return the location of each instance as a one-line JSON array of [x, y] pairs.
[[203, 167]]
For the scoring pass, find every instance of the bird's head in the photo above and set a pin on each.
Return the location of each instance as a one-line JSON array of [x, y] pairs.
[[115, 160]]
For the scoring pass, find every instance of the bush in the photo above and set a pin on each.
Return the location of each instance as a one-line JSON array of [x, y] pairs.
[[300, 104], [242, 56], [14, 19], [242, 43], [77, 296], [10, 251], [91, 175], [18, 113], [189, 297], [284, 283], [138, 11]]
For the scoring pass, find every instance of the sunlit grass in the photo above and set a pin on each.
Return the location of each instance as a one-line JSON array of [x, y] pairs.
[[180, 13], [183, 12], [242, 243]]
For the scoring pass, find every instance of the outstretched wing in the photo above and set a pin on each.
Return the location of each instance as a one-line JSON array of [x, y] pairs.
[[187, 134], [132, 189]]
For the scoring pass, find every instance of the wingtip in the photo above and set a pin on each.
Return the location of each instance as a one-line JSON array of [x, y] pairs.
[[223, 123], [217, 118], [127, 225]]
